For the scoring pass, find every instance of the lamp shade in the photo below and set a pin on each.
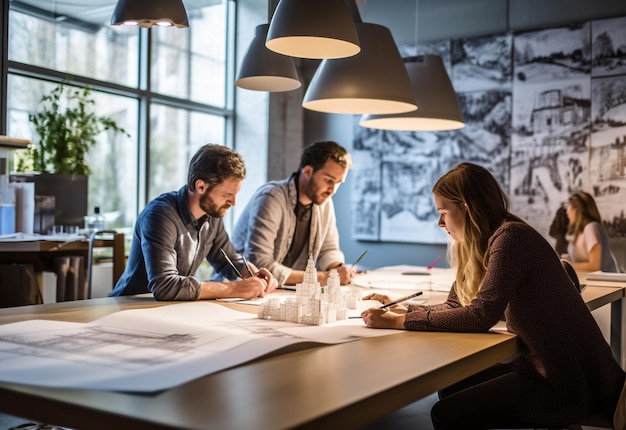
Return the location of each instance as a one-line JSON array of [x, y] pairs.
[[147, 13], [438, 105], [373, 81], [313, 29], [265, 70]]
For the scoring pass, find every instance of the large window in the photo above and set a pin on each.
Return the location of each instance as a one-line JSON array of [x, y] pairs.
[[171, 98], [113, 161], [38, 37], [191, 64], [176, 135]]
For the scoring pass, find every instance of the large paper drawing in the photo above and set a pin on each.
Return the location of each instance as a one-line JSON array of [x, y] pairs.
[[145, 350]]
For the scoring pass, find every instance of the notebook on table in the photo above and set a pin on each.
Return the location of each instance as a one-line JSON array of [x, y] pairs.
[[606, 276]]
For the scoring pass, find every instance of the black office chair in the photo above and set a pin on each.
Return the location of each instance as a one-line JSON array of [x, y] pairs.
[[92, 238], [598, 420], [605, 421], [572, 274]]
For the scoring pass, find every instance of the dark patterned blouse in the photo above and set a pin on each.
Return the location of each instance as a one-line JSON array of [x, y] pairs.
[[569, 365]]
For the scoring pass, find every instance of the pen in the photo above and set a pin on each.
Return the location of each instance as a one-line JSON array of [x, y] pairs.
[[434, 262], [400, 300], [231, 263], [247, 266], [358, 260]]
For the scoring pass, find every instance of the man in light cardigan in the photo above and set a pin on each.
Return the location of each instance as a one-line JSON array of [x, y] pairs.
[[287, 221]]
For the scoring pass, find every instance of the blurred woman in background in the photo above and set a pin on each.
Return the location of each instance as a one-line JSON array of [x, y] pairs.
[[589, 248]]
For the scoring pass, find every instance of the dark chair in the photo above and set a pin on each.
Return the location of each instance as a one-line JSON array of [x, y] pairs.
[[599, 420], [572, 274], [606, 421], [115, 241]]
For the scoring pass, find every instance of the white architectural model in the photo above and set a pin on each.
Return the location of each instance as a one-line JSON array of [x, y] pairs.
[[312, 303]]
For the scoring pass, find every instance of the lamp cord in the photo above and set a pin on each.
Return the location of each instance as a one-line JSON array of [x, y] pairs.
[[417, 2]]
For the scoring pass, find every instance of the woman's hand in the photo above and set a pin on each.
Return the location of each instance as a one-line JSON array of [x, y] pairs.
[[382, 318], [380, 297], [399, 309]]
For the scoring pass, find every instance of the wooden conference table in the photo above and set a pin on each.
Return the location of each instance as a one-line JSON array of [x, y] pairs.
[[343, 386]]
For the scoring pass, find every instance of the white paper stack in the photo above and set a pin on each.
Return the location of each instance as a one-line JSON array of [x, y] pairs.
[[606, 276]]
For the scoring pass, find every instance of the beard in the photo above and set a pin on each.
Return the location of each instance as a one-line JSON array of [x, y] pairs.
[[207, 204], [312, 192]]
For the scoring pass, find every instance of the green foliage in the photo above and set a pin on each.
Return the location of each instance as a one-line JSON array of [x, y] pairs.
[[67, 129]]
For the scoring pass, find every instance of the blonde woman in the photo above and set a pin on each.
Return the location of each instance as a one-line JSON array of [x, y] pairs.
[[504, 267], [589, 248]]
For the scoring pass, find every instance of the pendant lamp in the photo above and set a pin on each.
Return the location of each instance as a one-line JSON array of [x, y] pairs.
[[374, 81], [265, 70], [438, 105], [313, 29], [146, 13]]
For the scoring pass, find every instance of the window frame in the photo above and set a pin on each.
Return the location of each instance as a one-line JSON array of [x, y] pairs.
[[143, 93]]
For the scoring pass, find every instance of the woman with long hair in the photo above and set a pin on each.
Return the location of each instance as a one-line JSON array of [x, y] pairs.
[[589, 248], [505, 268]]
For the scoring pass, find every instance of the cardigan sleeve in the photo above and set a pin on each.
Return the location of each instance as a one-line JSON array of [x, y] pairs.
[[270, 228]]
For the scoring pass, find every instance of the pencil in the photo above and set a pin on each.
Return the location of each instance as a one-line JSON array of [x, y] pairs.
[[402, 299], [231, 263], [247, 266], [358, 260], [434, 262]]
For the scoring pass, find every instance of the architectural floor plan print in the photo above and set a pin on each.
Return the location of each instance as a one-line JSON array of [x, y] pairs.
[[146, 350]]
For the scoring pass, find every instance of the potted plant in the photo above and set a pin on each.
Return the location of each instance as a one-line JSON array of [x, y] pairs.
[[66, 129]]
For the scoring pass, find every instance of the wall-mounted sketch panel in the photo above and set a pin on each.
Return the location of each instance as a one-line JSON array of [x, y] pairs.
[[607, 159], [608, 47], [410, 163], [553, 54], [549, 147], [481, 63], [534, 117]]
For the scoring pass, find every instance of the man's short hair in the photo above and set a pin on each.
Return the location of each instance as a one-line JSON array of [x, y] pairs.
[[316, 155], [213, 164]]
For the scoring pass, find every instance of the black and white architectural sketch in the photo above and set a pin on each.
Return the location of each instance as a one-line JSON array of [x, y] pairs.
[[481, 63], [608, 47], [534, 116], [553, 54], [395, 171], [607, 159], [549, 147]]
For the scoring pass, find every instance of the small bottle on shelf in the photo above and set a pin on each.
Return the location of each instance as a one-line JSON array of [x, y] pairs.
[[95, 221]]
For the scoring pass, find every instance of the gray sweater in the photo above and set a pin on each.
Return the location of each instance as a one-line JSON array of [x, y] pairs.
[[265, 229]]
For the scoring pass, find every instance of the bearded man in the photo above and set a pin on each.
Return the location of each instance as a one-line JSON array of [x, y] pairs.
[[288, 221], [176, 231]]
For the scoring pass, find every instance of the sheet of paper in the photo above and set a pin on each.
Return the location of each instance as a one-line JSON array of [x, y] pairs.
[[145, 350], [606, 276], [404, 277]]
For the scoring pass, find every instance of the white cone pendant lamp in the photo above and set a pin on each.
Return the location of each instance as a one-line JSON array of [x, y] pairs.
[[438, 104], [265, 70], [147, 13], [313, 29], [374, 81]]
